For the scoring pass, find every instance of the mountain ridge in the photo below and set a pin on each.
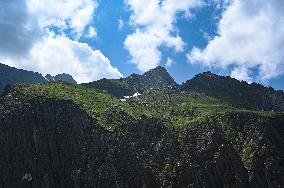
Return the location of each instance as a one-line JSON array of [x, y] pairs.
[[12, 75], [57, 134], [157, 78], [241, 94], [61, 77], [237, 93], [70, 135]]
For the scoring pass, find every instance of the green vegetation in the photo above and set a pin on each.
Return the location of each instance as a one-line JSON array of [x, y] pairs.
[[156, 79], [94, 102], [173, 136], [179, 108], [238, 93], [117, 88]]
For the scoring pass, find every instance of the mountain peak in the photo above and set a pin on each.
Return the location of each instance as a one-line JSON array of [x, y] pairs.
[[238, 93], [207, 74], [159, 77], [61, 77], [158, 70]]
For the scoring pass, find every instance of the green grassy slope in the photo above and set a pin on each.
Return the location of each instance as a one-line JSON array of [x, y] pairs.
[[179, 108], [164, 137]]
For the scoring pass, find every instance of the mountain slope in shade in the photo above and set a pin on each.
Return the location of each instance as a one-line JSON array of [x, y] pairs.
[[64, 135], [58, 134], [157, 78], [238, 93], [11, 75]]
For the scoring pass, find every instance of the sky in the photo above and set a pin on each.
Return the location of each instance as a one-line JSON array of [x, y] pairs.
[[94, 39]]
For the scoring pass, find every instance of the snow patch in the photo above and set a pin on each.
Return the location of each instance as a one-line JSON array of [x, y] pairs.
[[134, 95]]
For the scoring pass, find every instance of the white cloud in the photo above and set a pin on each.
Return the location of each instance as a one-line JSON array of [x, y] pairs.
[[120, 24], [42, 50], [154, 21], [170, 62], [205, 35], [64, 14], [92, 32], [250, 36], [220, 4], [58, 54], [241, 73]]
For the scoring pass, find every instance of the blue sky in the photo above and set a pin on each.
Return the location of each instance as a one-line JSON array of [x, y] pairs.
[[229, 37]]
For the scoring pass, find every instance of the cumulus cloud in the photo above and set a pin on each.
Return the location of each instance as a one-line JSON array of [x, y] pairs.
[[49, 51], [92, 32], [220, 4], [18, 29], [55, 54], [250, 37], [64, 14], [170, 62], [154, 21], [241, 73]]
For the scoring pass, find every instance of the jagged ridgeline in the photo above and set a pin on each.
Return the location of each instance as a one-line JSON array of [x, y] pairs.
[[65, 135], [157, 78], [11, 75]]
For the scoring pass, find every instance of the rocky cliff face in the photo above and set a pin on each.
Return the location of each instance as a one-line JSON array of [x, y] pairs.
[[54, 140]]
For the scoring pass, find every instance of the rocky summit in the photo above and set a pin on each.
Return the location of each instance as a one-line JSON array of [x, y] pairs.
[[157, 78], [61, 77], [142, 131]]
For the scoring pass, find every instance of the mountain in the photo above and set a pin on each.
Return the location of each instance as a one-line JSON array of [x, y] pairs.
[[238, 93], [11, 75], [157, 78], [58, 134], [61, 77], [64, 135]]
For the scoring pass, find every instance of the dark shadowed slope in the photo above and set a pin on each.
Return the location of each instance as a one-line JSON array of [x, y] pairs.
[[238, 93], [11, 75], [200, 134], [64, 135]]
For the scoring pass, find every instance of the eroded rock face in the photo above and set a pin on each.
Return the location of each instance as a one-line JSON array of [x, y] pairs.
[[57, 144], [46, 141]]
